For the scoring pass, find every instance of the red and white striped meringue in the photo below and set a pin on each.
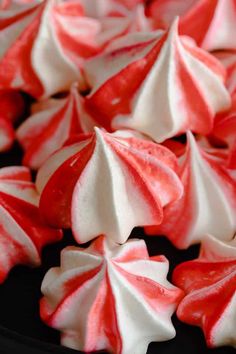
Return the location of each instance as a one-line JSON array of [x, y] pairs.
[[212, 23], [210, 284], [43, 46], [110, 297], [11, 108], [107, 184], [51, 125], [208, 204], [150, 87], [22, 231]]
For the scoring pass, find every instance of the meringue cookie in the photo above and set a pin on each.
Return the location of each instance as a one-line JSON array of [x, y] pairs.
[[100, 294], [151, 86], [39, 52], [210, 284], [211, 23], [11, 108], [54, 122], [208, 204], [22, 232], [107, 184]]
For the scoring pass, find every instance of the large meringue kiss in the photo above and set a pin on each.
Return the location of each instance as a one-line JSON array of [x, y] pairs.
[[208, 204], [53, 122], [210, 284], [22, 231], [43, 46], [107, 184], [212, 23], [110, 297], [161, 87]]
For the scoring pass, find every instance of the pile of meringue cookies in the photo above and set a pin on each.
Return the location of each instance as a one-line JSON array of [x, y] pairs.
[[132, 123]]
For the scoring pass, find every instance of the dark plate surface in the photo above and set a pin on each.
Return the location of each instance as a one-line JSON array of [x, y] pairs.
[[21, 330]]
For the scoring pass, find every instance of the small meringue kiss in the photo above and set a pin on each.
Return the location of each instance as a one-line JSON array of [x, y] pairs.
[[210, 284], [161, 87], [208, 204], [22, 231], [43, 45], [110, 297], [53, 122], [107, 184]]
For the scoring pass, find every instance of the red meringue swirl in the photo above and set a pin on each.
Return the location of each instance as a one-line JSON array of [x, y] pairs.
[[53, 122], [107, 184], [149, 86], [22, 231], [210, 284], [208, 204], [99, 294], [43, 46]]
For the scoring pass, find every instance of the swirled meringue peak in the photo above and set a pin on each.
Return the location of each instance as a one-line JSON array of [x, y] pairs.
[[22, 231], [110, 297], [51, 125], [107, 184], [212, 23], [161, 87], [210, 285], [208, 204], [43, 46], [11, 108]]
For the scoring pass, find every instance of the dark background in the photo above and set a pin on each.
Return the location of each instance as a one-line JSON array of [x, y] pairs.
[[21, 330]]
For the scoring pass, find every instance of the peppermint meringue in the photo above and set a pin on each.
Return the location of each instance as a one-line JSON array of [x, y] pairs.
[[11, 108], [210, 284], [212, 23], [150, 87], [208, 204], [107, 184], [100, 294], [52, 123], [43, 46], [22, 232]]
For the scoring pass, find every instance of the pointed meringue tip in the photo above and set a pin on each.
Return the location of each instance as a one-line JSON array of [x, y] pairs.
[[174, 27], [74, 87], [190, 137], [192, 144], [99, 133]]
